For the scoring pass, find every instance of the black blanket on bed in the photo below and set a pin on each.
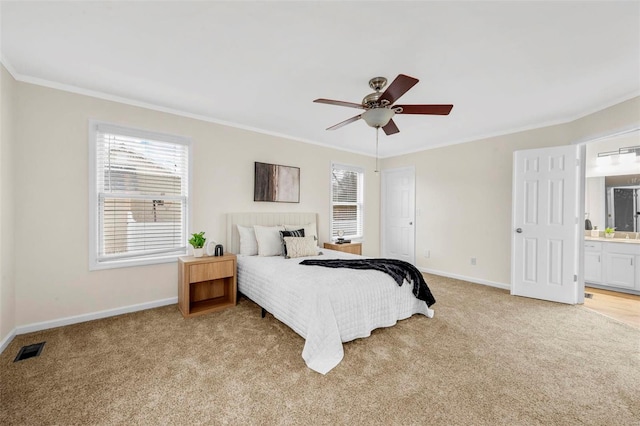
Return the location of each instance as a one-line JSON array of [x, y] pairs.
[[398, 269]]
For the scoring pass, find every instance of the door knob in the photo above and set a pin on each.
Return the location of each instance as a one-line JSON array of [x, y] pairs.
[[519, 230], [410, 223]]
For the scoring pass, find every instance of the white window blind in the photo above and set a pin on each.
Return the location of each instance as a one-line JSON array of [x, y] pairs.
[[141, 194], [346, 201]]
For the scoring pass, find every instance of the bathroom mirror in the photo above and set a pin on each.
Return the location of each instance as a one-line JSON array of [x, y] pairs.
[[613, 201], [623, 202], [613, 181]]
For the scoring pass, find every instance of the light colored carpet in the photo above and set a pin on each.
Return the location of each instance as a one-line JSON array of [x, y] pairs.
[[486, 358]]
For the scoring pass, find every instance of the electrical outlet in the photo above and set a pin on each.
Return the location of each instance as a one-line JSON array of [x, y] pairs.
[[427, 253], [473, 261]]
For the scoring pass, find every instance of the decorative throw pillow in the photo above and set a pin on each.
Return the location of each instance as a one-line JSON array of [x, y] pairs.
[[268, 238], [300, 246], [248, 242], [309, 229], [297, 233]]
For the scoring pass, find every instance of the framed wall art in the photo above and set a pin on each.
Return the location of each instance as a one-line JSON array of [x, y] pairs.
[[276, 183]]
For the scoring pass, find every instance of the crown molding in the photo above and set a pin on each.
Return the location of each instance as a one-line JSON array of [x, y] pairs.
[[132, 102], [8, 66], [542, 125]]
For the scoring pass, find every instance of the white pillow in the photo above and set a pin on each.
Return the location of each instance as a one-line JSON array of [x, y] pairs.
[[309, 229], [248, 242], [269, 242], [300, 246]]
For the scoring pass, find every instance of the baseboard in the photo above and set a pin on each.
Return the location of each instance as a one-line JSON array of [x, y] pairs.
[[30, 328], [463, 278], [8, 338]]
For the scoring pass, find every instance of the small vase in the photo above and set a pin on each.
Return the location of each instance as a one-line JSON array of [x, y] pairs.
[[610, 235], [198, 252]]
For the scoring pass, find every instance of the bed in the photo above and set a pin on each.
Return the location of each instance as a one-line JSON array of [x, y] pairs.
[[325, 306]]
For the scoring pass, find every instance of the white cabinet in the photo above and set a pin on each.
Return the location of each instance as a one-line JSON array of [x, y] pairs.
[[593, 267], [612, 264], [593, 262], [620, 270]]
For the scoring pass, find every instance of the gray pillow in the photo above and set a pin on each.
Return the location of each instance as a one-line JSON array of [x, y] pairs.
[[298, 233]]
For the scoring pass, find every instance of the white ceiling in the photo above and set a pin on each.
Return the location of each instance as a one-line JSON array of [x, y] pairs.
[[506, 66]]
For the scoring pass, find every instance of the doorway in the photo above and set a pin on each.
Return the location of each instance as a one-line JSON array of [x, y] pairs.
[[612, 180], [398, 202]]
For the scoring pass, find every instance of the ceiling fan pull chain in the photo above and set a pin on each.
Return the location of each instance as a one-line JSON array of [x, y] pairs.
[[377, 132]]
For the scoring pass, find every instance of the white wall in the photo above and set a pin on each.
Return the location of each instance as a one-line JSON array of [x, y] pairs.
[[595, 201], [463, 193], [51, 196], [7, 283]]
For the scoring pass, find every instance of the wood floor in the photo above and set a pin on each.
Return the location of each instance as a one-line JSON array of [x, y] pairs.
[[619, 306]]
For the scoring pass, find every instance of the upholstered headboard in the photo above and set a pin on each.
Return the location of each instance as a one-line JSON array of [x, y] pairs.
[[264, 219]]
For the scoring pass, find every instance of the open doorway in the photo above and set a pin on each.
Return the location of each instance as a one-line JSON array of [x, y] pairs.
[[612, 188]]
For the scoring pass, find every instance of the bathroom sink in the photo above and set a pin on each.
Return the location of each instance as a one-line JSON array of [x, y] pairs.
[[613, 240]]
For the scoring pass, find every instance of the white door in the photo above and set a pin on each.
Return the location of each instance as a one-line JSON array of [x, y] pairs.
[[548, 204], [398, 214]]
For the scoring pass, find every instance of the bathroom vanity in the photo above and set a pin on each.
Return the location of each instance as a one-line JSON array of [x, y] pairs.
[[612, 263]]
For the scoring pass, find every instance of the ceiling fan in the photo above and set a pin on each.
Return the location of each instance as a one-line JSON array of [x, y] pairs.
[[379, 108]]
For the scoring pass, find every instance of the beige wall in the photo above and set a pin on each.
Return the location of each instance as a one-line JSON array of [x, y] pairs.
[[7, 283], [463, 194], [51, 191], [602, 123]]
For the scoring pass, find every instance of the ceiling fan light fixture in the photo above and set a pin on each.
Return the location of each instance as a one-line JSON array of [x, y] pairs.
[[378, 117], [379, 107]]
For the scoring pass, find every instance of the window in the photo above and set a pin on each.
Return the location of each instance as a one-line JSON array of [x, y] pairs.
[[138, 196], [346, 201]]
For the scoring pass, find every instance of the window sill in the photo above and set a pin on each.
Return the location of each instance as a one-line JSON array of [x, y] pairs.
[[128, 263]]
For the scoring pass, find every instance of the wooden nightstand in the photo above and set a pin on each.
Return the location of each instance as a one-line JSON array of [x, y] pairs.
[[206, 284], [354, 248]]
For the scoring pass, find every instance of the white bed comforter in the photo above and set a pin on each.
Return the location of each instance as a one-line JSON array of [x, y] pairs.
[[326, 306]]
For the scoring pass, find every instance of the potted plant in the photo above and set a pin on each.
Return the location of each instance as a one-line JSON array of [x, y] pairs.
[[609, 232], [197, 240]]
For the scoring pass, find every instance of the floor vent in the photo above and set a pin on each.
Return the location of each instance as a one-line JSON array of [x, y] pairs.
[[588, 295], [29, 351]]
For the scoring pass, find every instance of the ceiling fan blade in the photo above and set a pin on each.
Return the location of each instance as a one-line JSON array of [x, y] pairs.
[[390, 128], [425, 109], [339, 103], [345, 122], [398, 87]]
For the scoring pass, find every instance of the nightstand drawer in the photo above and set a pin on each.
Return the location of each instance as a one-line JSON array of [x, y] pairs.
[[211, 271], [353, 248]]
